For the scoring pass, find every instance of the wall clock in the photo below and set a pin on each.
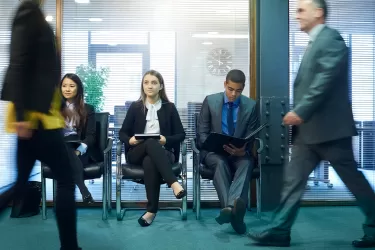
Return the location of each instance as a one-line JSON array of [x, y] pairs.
[[219, 62]]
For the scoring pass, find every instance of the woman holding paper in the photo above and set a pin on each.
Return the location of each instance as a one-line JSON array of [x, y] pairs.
[[153, 116]]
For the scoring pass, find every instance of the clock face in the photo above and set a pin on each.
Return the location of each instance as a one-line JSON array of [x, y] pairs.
[[219, 62]]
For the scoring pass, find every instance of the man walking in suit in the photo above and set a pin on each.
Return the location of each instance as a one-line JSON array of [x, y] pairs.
[[34, 114], [323, 124], [233, 114]]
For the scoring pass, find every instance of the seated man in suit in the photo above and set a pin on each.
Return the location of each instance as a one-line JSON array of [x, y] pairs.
[[233, 114]]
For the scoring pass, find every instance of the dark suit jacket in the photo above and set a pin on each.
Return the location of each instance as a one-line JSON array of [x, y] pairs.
[[87, 134], [169, 121], [321, 91], [211, 114], [34, 67]]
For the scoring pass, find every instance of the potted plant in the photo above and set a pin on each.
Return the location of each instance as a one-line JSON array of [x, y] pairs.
[[94, 80]]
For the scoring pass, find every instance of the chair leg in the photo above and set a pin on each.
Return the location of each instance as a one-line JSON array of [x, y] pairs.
[[198, 195], [249, 198], [184, 200], [194, 194], [259, 195], [54, 184], [109, 186], [104, 197], [119, 210], [44, 205]]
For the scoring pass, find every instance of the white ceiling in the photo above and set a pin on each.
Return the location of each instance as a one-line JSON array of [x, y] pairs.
[[178, 15]]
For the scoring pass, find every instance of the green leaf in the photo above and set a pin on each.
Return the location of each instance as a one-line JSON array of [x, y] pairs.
[[94, 80]]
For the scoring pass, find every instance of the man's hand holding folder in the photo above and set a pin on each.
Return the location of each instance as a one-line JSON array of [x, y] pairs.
[[225, 144], [232, 150]]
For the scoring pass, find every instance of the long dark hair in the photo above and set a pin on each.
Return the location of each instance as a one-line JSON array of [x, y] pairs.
[[78, 100], [162, 94]]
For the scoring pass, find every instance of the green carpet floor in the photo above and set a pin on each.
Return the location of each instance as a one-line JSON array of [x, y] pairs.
[[316, 228]]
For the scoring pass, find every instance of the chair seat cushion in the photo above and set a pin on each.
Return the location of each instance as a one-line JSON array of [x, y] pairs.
[[208, 173], [136, 172], [90, 171]]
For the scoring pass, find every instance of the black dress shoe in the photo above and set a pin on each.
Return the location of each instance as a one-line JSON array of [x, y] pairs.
[[238, 214], [268, 238], [365, 242], [225, 216], [143, 222], [181, 194]]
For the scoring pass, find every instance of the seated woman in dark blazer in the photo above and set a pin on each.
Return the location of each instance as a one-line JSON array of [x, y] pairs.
[[153, 114], [80, 126]]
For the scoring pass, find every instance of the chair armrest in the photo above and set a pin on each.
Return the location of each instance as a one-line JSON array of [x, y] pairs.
[[119, 148], [109, 146], [194, 146], [184, 160], [183, 148], [260, 148]]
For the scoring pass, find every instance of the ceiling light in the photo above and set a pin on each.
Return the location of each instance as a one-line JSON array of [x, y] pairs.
[[207, 43], [219, 36], [213, 33], [49, 18], [95, 19], [82, 1]]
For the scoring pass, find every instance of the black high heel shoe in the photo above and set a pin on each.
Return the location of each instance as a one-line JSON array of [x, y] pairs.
[[143, 222], [88, 199], [181, 194]]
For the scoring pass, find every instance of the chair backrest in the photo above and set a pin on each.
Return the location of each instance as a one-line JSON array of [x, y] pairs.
[[196, 118], [193, 108], [102, 124], [120, 113]]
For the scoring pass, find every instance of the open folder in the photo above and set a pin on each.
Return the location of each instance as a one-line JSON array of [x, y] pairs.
[[216, 141]]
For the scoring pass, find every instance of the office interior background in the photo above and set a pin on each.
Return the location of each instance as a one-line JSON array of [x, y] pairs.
[[119, 40]]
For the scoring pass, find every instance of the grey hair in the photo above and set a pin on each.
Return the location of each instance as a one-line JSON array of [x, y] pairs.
[[322, 4]]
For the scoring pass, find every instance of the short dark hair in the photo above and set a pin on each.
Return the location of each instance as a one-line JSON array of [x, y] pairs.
[[237, 76], [322, 4]]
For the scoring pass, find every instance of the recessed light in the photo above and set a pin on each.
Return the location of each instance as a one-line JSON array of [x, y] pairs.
[[49, 18], [82, 1], [213, 32], [95, 19], [207, 43]]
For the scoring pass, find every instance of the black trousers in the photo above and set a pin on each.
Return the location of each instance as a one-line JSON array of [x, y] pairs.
[[157, 165], [78, 162], [49, 147]]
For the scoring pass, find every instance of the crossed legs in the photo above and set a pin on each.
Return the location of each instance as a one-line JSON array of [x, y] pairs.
[[231, 180]]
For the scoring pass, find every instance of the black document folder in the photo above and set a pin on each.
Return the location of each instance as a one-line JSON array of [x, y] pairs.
[[73, 143], [216, 141], [147, 136]]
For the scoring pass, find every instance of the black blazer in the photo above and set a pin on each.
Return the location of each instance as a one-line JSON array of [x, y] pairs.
[[87, 134], [169, 121], [34, 67]]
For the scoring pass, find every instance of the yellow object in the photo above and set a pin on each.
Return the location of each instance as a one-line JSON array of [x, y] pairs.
[[53, 120]]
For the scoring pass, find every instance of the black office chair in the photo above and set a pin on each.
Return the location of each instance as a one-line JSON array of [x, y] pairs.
[[135, 173], [201, 170], [93, 170]]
